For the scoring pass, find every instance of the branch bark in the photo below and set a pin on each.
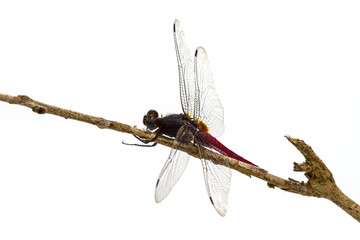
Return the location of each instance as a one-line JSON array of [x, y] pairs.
[[320, 182]]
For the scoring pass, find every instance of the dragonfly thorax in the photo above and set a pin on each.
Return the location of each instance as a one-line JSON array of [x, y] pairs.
[[172, 123], [198, 123], [202, 126]]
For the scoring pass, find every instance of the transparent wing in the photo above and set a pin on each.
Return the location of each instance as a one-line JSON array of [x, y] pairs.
[[172, 170], [186, 70], [208, 107], [217, 180]]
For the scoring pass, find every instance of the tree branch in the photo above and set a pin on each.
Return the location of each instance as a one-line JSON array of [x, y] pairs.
[[320, 182]]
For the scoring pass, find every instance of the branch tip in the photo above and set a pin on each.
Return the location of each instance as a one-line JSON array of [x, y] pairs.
[[302, 167]]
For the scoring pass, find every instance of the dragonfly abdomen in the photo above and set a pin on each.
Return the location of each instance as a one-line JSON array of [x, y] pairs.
[[217, 145]]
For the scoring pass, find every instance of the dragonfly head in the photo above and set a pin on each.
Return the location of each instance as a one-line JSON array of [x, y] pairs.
[[150, 118]]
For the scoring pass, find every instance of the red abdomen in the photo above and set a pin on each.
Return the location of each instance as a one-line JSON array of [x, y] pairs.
[[218, 146]]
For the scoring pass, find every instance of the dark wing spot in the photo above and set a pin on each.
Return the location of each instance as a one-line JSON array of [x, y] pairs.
[[174, 29], [157, 182], [212, 202], [196, 53]]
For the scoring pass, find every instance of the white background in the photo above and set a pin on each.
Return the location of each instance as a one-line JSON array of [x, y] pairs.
[[280, 67]]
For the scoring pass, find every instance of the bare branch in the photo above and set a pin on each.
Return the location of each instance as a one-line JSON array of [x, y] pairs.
[[320, 180]]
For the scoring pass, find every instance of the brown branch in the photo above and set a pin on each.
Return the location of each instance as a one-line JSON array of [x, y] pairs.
[[320, 180]]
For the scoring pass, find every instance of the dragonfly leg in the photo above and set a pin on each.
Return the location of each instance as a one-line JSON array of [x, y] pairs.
[[139, 145], [144, 141]]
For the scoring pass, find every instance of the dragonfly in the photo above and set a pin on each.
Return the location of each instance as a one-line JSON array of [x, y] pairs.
[[200, 123]]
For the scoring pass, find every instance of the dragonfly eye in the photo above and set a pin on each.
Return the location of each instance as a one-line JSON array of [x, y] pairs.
[[154, 114], [149, 119]]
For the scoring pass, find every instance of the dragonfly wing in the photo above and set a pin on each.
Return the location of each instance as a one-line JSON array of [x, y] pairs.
[[172, 170], [208, 106], [186, 70], [170, 174], [217, 180]]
